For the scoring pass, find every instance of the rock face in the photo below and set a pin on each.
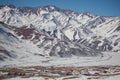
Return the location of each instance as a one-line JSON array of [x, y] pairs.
[[52, 31], [14, 39]]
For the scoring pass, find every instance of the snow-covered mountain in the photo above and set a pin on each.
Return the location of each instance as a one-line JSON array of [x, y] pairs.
[[51, 31]]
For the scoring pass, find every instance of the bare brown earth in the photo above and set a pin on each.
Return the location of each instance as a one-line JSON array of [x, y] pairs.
[[92, 72]]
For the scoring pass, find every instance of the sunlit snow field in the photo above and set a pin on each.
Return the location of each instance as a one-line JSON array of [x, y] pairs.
[[109, 58]]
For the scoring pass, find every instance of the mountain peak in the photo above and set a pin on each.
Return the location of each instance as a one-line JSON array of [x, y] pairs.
[[87, 14], [50, 8], [7, 5]]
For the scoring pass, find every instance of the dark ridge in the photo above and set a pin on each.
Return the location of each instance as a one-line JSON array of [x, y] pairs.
[[117, 29]]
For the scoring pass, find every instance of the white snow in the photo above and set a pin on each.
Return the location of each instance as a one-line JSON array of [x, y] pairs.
[[109, 58], [57, 20], [31, 78]]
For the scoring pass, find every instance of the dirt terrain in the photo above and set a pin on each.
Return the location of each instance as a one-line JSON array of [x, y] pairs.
[[66, 73]]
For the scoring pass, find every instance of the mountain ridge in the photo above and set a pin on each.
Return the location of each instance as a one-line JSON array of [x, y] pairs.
[[59, 32]]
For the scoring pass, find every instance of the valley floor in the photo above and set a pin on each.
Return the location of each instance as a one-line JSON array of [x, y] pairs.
[[108, 58], [83, 78], [61, 73], [106, 67]]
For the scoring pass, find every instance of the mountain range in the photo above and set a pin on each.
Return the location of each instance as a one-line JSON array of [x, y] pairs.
[[49, 31]]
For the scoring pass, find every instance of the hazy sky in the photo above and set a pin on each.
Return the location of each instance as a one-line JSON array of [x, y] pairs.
[[99, 7]]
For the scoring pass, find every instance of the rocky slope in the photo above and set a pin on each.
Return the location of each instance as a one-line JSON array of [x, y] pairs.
[[52, 31]]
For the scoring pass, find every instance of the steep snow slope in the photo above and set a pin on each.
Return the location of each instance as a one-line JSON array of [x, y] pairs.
[[26, 43], [12, 47], [84, 27]]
